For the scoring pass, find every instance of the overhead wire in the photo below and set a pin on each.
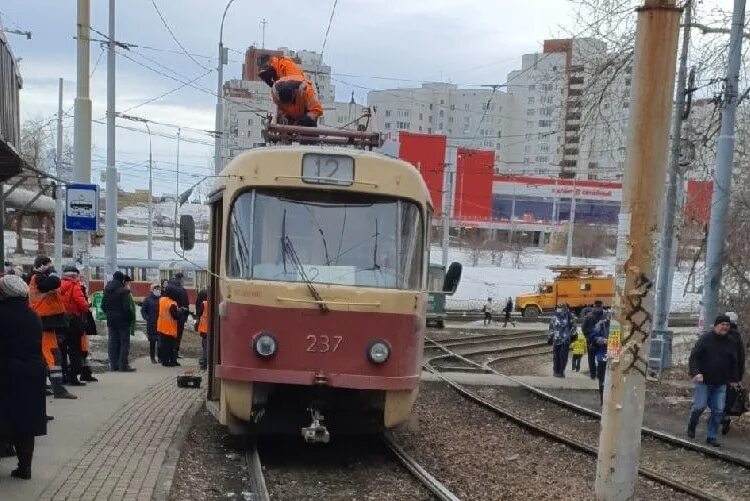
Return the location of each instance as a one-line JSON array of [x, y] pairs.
[[174, 37]]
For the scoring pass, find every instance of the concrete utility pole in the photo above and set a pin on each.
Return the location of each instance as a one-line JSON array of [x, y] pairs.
[[82, 125], [59, 190], [219, 126], [110, 231], [717, 226], [643, 190], [450, 170], [263, 24], [668, 242]]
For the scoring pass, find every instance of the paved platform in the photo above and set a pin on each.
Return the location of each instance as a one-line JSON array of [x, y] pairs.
[[118, 441]]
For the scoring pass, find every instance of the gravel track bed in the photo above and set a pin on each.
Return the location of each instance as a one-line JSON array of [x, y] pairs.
[[348, 468], [713, 475], [481, 456]]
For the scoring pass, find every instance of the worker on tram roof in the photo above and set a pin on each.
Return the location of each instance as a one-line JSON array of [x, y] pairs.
[[273, 68], [296, 101]]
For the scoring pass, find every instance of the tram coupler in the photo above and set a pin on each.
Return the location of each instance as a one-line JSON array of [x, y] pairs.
[[316, 432]]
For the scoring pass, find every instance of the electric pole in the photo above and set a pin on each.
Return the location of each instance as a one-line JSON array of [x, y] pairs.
[[717, 226], [82, 125], [110, 233], [263, 24], [59, 190], [643, 190], [667, 244]]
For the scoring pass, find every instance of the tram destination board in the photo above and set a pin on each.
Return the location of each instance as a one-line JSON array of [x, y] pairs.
[[82, 207]]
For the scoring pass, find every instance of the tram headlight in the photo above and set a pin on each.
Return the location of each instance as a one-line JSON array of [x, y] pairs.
[[378, 352], [265, 345]]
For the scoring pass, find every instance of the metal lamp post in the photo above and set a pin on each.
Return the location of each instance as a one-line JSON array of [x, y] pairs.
[[219, 92]]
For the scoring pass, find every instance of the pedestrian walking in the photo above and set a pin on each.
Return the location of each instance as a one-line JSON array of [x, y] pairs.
[[117, 308], [598, 344], [180, 295], [76, 309], [487, 309], [508, 310], [590, 319], [713, 365], [23, 407], [202, 312], [150, 313], [44, 299], [578, 348], [167, 325], [734, 391], [560, 328]]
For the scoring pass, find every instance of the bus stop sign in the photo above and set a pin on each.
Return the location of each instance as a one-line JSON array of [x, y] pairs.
[[82, 207]]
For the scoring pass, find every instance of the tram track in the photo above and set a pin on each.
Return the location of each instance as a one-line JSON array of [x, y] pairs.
[[307, 463], [658, 436]]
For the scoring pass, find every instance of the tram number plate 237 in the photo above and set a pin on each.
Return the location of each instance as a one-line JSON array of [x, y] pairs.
[[323, 344]]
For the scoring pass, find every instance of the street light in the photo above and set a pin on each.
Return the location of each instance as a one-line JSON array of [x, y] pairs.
[[219, 92], [150, 178]]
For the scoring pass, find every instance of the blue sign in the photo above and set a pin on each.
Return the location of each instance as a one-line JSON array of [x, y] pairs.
[[82, 207]]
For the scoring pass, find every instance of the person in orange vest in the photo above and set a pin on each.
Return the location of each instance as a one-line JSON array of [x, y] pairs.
[[45, 300], [170, 314], [272, 68], [202, 311], [296, 101]]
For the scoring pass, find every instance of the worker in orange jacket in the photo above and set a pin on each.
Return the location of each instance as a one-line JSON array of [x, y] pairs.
[[296, 101], [202, 312], [166, 326], [45, 300]]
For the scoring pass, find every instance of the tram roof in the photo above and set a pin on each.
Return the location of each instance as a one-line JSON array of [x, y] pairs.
[[374, 172]]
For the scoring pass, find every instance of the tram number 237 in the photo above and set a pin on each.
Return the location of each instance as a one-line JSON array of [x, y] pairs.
[[323, 344]]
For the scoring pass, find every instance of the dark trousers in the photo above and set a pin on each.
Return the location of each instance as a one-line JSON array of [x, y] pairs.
[[152, 347], [118, 346], [71, 348], [167, 350], [204, 353], [560, 358], [24, 445], [507, 319], [601, 371], [487, 318], [62, 345], [576, 364], [180, 330], [592, 363]]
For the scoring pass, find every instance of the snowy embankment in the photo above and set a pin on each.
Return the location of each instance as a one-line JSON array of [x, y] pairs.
[[505, 279]]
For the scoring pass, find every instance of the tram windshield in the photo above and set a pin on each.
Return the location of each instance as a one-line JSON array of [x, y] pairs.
[[326, 237]]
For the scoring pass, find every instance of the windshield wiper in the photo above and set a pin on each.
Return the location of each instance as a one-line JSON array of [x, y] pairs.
[[375, 265], [289, 251]]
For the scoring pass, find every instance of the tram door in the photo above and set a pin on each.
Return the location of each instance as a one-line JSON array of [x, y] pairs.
[[214, 264]]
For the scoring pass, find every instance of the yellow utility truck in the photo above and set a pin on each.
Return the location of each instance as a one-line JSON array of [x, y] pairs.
[[577, 286]]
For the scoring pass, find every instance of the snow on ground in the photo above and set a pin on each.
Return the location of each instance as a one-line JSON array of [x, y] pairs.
[[506, 280], [139, 213]]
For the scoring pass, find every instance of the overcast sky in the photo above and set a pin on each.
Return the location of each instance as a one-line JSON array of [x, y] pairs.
[[468, 42]]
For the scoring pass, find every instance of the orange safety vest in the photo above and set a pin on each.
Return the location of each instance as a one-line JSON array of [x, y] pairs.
[[285, 67], [203, 322], [45, 304], [165, 323]]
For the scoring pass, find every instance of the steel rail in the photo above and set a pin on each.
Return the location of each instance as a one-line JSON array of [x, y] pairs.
[[649, 432], [574, 444], [256, 479], [432, 484]]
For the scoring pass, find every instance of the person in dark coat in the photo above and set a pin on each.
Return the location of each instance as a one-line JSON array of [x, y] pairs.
[[150, 313], [23, 407], [117, 308], [590, 319], [179, 295], [712, 366], [507, 311], [732, 394]]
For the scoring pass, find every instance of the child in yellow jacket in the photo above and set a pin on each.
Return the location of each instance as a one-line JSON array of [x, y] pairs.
[[578, 345]]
